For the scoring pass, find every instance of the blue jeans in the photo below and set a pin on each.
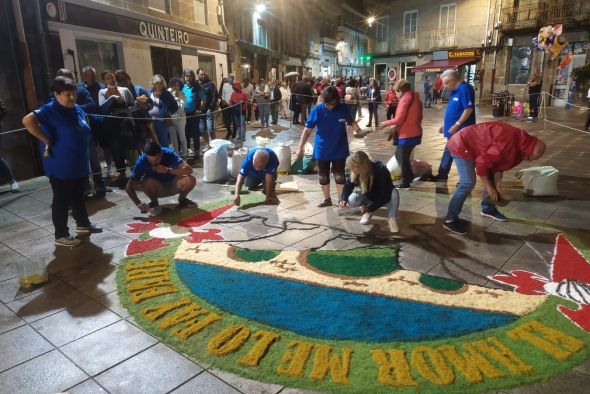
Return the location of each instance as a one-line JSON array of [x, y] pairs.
[[264, 110], [356, 200], [466, 170], [445, 163], [162, 133], [240, 121], [206, 123], [352, 108]]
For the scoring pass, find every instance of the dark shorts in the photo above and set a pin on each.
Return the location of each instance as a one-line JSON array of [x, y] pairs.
[[336, 165], [167, 189]]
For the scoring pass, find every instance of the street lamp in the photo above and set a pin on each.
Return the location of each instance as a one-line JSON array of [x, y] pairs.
[[260, 8], [371, 20]]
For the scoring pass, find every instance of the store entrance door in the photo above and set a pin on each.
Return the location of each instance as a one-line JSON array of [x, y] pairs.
[[166, 62]]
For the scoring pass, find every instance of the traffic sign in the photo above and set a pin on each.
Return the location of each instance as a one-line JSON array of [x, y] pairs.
[[392, 74]]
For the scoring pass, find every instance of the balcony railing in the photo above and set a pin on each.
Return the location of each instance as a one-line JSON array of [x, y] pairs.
[[526, 16], [569, 11], [444, 38], [407, 44]]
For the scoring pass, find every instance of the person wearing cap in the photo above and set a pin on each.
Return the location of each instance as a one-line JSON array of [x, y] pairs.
[[239, 103], [487, 149], [62, 127], [161, 173]]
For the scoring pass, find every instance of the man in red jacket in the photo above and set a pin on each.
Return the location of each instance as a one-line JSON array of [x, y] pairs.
[[487, 149]]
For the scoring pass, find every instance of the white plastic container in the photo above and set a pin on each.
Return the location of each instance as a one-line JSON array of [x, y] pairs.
[[539, 181]]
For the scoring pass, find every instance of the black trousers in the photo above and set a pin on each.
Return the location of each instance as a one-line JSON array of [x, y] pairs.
[[191, 130], [534, 101], [402, 155], [228, 120], [373, 108], [68, 193], [391, 111], [587, 125]]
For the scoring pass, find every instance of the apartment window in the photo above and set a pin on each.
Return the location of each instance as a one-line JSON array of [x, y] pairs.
[[410, 24], [447, 16], [381, 35], [201, 11], [260, 36], [160, 5], [520, 64]]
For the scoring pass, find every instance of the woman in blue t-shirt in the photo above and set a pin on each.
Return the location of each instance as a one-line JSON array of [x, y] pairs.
[[330, 142], [62, 127]]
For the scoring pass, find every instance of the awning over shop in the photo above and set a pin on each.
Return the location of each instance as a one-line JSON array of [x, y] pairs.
[[259, 50], [435, 66]]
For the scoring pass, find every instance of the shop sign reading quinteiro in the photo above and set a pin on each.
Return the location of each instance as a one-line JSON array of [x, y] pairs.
[[162, 33]]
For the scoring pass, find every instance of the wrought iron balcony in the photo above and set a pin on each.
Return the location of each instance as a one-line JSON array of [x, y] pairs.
[[528, 16], [407, 44], [569, 11], [444, 38]]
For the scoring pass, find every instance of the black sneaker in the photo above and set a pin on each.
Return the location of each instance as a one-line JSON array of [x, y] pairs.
[[455, 226], [403, 186], [186, 203], [494, 214], [325, 203], [90, 229]]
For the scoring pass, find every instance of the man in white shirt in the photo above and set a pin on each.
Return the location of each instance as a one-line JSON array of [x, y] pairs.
[[226, 92]]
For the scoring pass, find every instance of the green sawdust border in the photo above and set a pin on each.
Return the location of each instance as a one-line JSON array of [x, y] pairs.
[[363, 370]]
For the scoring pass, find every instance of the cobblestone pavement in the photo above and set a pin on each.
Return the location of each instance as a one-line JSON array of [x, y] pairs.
[[59, 336]]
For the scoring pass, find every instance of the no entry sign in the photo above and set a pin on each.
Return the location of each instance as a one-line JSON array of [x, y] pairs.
[[392, 74]]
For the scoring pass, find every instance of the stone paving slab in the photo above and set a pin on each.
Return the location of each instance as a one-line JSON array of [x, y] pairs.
[[100, 349]]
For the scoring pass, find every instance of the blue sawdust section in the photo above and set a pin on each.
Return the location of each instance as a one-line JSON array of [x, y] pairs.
[[329, 313]]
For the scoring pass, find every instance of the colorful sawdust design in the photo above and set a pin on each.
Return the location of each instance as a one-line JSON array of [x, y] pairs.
[[534, 342]]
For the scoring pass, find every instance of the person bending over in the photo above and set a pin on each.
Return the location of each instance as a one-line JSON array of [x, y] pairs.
[[377, 190], [330, 147], [487, 149], [259, 167], [161, 173]]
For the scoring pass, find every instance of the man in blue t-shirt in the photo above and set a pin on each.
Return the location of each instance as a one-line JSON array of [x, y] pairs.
[[459, 114], [161, 173], [259, 167]]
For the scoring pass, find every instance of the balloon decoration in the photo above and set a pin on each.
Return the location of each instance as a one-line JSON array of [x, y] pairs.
[[548, 40]]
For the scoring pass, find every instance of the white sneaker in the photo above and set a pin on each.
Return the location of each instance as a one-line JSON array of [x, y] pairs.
[[14, 187], [393, 227], [366, 218], [155, 211]]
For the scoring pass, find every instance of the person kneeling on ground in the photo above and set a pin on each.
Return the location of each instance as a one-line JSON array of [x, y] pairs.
[[161, 173], [487, 149], [377, 190], [259, 167]]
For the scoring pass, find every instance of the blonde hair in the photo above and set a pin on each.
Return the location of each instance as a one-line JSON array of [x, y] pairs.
[[365, 175], [403, 86], [158, 78]]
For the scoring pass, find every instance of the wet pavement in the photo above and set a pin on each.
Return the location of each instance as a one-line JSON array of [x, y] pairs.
[[59, 337]]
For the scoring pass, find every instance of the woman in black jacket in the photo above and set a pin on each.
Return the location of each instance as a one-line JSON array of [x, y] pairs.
[[374, 98], [376, 189]]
